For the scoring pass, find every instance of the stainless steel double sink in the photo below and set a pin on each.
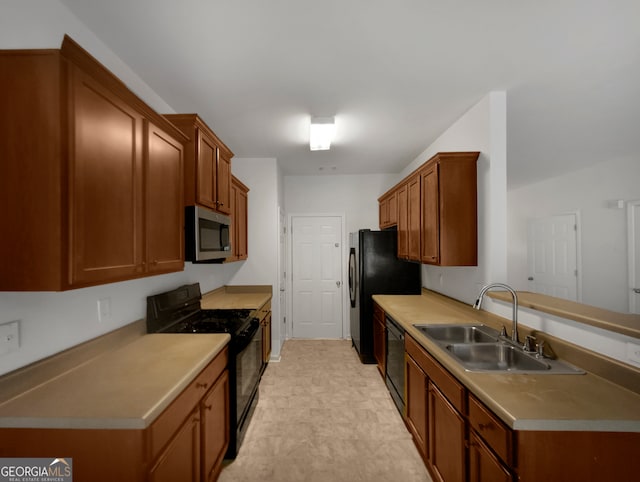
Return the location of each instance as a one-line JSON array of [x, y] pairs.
[[480, 348]]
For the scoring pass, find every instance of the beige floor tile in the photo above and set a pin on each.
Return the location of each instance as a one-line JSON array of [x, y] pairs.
[[325, 417]]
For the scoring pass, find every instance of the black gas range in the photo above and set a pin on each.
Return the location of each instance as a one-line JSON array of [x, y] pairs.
[[179, 311]]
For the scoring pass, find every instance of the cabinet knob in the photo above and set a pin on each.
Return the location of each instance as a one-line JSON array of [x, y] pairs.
[[208, 407], [484, 426], [201, 385]]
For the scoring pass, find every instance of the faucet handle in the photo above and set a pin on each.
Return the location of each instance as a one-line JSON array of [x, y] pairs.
[[540, 349], [529, 343]]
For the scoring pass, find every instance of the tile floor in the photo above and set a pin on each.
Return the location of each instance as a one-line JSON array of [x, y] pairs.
[[324, 416]]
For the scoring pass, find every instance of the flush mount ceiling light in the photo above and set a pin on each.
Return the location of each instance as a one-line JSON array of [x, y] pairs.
[[321, 133]]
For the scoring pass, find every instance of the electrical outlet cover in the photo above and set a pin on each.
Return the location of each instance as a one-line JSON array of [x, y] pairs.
[[9, 337], [633, 353]]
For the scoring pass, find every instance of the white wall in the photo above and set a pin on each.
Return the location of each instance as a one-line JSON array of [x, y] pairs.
[[38, 24], [603, 233], [261, 176], [353, 196], [482, 128]]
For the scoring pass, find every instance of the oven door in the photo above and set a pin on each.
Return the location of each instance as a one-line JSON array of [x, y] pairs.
[[248, 369]]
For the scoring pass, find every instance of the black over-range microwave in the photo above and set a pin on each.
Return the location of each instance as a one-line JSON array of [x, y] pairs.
[[206, 235]]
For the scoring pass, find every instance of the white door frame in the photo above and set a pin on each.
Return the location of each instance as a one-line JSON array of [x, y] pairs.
[[345, 253], [632, 206]]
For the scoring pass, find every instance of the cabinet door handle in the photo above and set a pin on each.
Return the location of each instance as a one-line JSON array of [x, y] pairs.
[[485, 426], [201, 385], [208, 407]]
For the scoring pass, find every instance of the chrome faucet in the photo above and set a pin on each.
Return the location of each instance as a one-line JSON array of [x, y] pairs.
[[476, 305]]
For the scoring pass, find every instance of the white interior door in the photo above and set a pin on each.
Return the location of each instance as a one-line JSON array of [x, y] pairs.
[[634, 256], [316, 277], [552, 256]]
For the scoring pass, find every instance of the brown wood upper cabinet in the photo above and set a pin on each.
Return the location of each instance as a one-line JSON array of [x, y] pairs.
[[408, 199], [94, 199], [388, 210], [239, 212], [437, 211], [449, 209], [207, 175]]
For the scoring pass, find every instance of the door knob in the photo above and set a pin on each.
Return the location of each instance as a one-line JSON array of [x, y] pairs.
[[636, 290], [338, 283]]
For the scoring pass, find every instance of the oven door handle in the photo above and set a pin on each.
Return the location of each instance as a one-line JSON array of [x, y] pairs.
[[243, 339]]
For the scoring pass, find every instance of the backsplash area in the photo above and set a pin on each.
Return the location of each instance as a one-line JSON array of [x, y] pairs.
[[54, 321]]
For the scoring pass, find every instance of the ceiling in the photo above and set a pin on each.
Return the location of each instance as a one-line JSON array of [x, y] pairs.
[[395, 73]]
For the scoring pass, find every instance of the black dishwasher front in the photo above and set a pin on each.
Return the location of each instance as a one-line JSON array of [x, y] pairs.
[[394, 375]]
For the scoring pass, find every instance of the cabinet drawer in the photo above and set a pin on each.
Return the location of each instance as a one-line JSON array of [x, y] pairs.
[[447, 384], [172, 418], [497, 435]]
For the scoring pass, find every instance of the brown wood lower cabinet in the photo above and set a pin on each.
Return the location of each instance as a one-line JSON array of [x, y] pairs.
[[483, 464], [416, 390], [187, 441], [214, 410], [265, 322], [379, 338], [461, 439], [181, 459], [446, 440]]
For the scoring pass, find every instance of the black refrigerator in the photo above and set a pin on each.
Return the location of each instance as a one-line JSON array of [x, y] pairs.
[[374, 269]]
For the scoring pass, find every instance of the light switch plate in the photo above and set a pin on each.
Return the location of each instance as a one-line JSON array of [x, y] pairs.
[[9, 337], [104, 309]]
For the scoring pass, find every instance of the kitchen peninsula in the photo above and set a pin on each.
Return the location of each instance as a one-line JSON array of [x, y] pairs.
[[548, 427]]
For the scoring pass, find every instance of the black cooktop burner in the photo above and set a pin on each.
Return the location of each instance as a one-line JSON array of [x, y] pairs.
[[179, 311], [213, 321]]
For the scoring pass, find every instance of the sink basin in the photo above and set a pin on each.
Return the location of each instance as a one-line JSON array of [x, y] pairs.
[[459, 333], [495, 357]]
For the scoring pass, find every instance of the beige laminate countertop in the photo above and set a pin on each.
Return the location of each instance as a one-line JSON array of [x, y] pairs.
[[123, 388], [624, 323], [523, 401], [236, 297]]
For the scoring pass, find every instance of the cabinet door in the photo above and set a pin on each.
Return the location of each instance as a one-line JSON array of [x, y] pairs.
[[233, 232], [266, 338], [164, 204], [181, 458], [430, 215], [379, 339], [383, 213], [413, 218], [206, 163], [403, 222], [392, 210], [417, 402], [105, 185], [223, 184], [215, 427], [483, 465], [446, 438], [241, 224]]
